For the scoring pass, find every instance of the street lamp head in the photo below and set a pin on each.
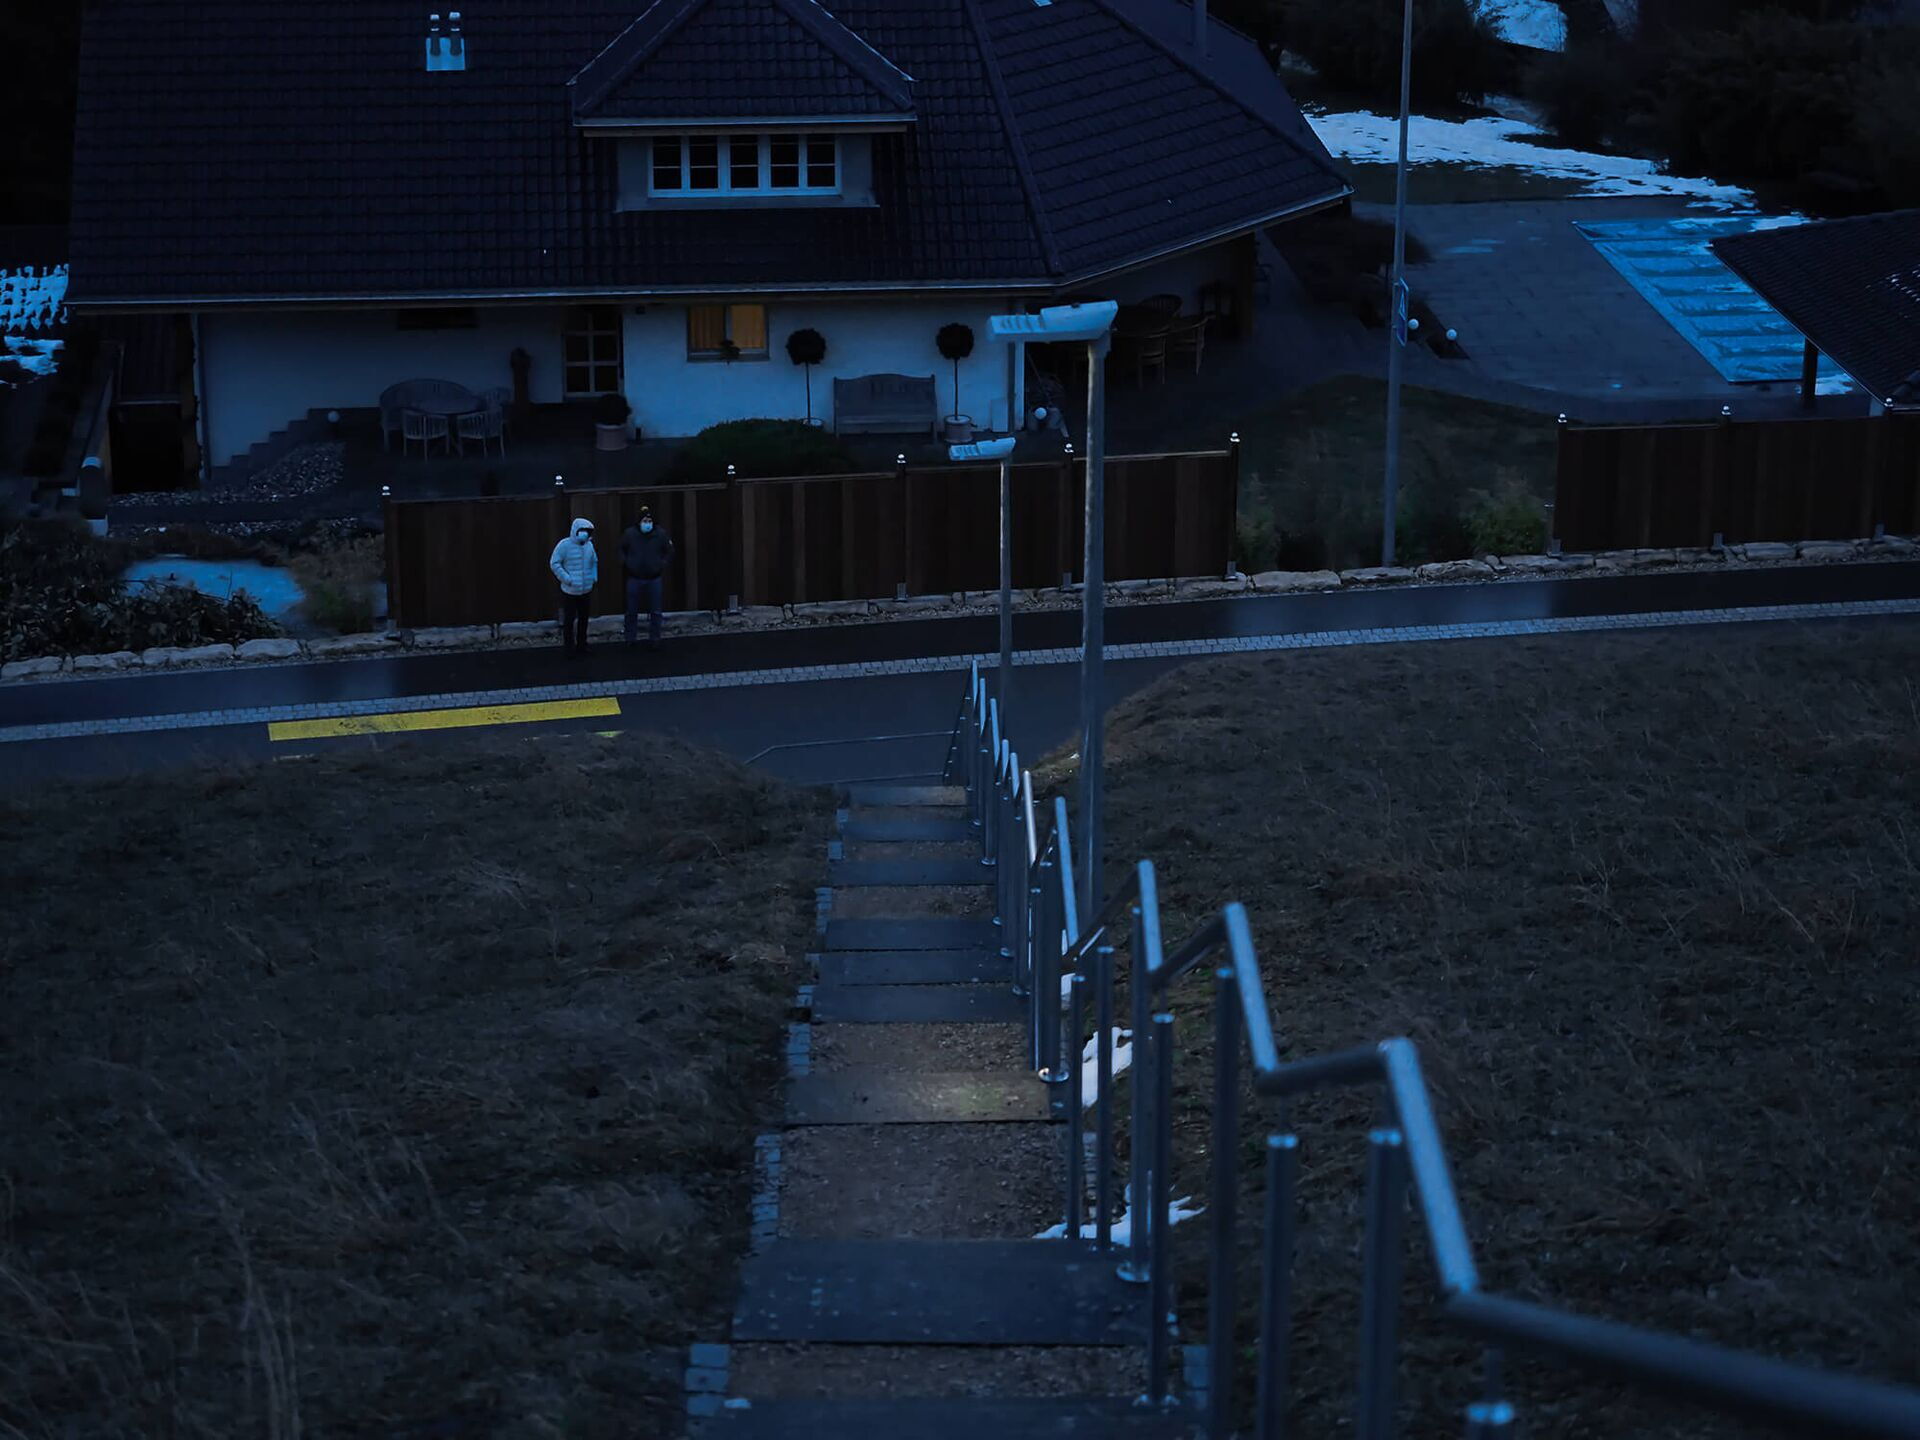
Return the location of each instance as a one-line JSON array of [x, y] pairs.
[[1087, 321], [998, 449]]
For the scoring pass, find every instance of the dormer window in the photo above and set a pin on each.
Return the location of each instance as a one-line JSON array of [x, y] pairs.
[[744, 164]]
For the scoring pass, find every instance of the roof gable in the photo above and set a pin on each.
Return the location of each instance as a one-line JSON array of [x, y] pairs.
[[1852, 287], [708, 60]]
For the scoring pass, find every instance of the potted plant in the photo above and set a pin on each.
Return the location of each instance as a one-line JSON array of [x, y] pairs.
[[610, 414], [807, 348], [956, 343]]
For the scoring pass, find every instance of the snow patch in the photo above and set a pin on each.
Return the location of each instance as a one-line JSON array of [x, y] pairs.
[[1498, 142], [37, 357], [1537, 24], [1090, 1064], [32, 299], [1177, 1210]]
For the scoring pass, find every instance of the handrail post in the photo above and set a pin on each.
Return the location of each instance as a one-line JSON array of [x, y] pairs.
[[1160, 1308], [1103, 1101], [1491, 1417], [1135, 1267], [1046, 992], [1043, 979], [1276, 1287], [1076, 1105], [1386, 1217], [1009, 876], [1221, 1307]]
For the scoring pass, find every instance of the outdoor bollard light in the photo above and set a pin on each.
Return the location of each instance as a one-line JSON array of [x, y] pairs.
[[1089, 324], [1002, 451], [559, 483], [386, 492], [730, 472]]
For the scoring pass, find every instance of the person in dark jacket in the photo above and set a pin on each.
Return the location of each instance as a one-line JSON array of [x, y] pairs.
[[645, 552]]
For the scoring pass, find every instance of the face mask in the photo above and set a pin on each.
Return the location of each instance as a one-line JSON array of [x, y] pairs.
[[646, 527]]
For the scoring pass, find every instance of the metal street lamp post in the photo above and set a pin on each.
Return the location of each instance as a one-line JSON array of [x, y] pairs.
[[1001, 450], [1091, 324], [1402, 321]]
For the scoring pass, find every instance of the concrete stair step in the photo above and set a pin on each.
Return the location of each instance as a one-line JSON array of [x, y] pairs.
[[874, 1095], [911, 967], [916, 1005], [940, 1418], [917, 795], [938, 1292], [905, 825], [920, 932], [958, 871]]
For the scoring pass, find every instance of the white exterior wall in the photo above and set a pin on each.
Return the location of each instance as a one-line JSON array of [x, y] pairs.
[[263, 369], [672, 395]]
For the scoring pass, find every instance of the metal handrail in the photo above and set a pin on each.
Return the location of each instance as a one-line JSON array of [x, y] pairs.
[[1051, 951]]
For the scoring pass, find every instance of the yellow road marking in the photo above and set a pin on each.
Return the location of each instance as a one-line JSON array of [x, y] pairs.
[[528, 714]]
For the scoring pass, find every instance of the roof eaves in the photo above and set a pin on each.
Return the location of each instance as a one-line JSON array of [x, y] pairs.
[[1029, 187], [1212, 237], [873, 67], [1204, 78]]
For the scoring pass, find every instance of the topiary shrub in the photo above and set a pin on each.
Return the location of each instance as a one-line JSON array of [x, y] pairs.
[[1355, 46], [759, 448]]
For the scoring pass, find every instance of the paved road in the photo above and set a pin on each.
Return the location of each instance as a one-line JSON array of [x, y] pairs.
[[839, 686]]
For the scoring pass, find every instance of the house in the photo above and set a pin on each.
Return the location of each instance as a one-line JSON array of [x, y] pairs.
[[339, 196], [1851, 288]]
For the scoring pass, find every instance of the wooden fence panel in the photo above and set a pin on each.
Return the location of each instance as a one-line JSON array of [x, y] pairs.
[[1622, 487], [807, 538]]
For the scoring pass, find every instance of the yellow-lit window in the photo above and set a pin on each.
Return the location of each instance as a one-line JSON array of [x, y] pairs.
[[719, 332]]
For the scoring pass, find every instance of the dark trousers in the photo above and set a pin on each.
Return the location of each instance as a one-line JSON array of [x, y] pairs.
[[573, 620], [639, 590]]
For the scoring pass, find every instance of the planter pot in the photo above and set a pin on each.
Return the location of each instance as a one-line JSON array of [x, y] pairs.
[[959, 429], [609, 437], [817, 421]]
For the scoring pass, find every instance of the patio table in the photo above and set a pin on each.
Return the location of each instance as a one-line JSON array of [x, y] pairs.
[[451, 407]]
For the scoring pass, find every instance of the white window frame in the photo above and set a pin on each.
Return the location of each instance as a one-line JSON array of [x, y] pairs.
[[605, 347], [724, 186]]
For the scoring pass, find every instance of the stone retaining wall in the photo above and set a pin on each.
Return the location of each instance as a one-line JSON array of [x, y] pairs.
[[1490, 569]]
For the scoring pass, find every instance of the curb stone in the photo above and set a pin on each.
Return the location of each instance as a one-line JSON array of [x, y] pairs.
[[814, 613]]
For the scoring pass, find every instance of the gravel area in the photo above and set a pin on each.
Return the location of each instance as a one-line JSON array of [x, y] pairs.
[[304, 471], [930, 1182], [920, 1047], [770, 1371]]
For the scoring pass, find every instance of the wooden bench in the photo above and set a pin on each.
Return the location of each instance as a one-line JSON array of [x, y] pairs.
[[885, 405]]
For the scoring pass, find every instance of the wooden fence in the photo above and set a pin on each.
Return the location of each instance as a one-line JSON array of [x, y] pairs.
[[1630, 487], [923, 531]]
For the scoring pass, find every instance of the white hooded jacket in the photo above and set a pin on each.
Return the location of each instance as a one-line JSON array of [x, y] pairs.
[[575, 564]]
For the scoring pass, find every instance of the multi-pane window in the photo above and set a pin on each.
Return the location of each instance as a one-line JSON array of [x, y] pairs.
[[745, 165], [590, 352], [711, 329]]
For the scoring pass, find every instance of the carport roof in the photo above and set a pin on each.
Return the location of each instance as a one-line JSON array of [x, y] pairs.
[[1852, 287]]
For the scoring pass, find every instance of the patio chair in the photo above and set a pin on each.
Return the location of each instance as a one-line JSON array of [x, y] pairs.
[[498, 398], [1189, 337], [1148, 351], [483, 425], [418, 425]]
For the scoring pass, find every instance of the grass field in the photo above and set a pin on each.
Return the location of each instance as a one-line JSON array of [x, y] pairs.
[[404, 1091], [1648, 905], [1311, 469]]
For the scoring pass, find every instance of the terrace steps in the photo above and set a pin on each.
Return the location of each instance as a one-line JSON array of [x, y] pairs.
[[872, 1317]]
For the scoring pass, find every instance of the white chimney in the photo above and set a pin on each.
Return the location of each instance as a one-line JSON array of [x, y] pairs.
[[449, 51], [1200, 27]]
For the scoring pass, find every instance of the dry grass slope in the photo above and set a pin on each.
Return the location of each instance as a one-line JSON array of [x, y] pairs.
[[399, 1091], [1648, 903]]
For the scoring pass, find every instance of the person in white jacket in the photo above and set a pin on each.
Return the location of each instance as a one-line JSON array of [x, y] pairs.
[[576, 566]]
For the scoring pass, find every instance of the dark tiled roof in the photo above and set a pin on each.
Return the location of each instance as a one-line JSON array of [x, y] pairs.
[[1852, 287], [718, 59], [229, 150]]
